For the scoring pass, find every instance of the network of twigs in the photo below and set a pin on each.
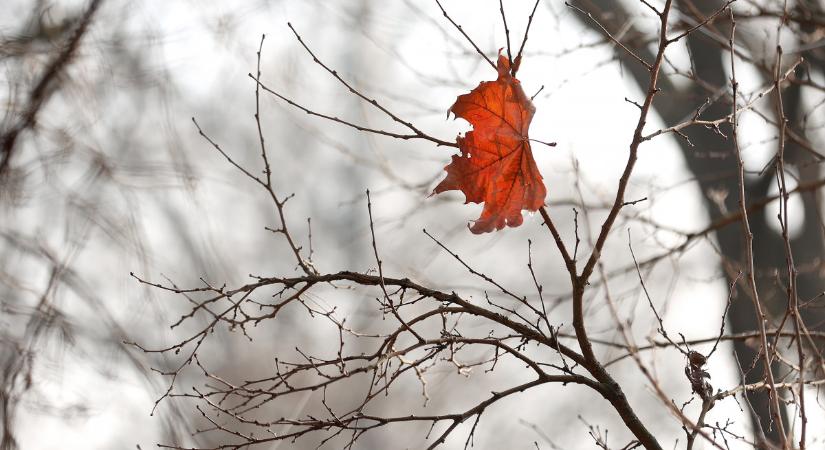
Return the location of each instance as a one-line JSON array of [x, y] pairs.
[[426, 328]]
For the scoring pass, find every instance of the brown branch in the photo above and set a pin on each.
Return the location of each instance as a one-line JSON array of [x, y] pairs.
[[761, 317], [517, 61]]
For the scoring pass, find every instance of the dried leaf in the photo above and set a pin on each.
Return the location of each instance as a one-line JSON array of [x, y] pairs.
[[496, 166]]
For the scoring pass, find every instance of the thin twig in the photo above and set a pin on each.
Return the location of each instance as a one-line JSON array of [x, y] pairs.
[[749, 258], [463, 33], [506, 31], [610, 36], [517, 62]]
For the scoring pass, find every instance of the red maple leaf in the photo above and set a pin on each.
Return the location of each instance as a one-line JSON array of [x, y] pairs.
[[496, 166]]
